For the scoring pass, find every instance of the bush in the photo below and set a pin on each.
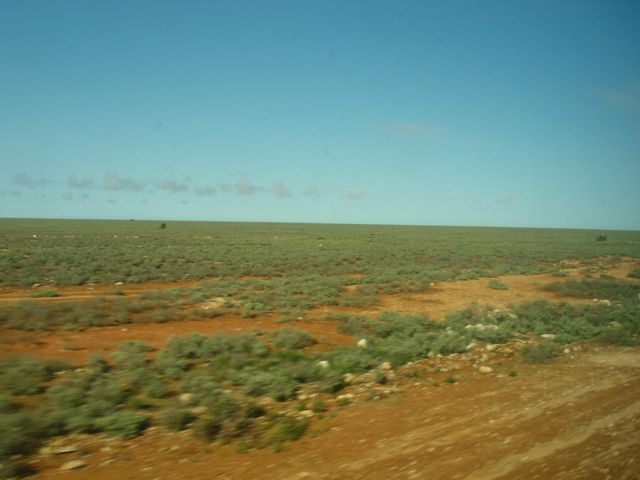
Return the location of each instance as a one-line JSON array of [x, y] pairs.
[[617, 336], [291, 338], [123, 424], [207, 428], [22, 376], [543, 352], [496, 284], [175, 418], [634, 273], [611, 289], [286, 429]]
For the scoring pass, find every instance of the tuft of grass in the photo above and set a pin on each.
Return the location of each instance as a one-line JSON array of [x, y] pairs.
[[634, 273], [48, 293], [544, 352], [604, 288], [496, 284]]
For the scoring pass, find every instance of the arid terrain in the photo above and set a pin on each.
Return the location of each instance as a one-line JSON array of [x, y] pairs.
[[483, 414]]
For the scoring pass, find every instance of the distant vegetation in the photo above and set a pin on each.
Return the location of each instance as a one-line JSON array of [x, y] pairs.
[[70, 252]]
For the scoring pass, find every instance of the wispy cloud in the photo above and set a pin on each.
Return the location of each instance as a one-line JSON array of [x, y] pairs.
[[412, 129], [205, 190], [80, 183], [112, 181], [504, 199], [245, 187], [173, 186], [280, 190], [626, 97], [27, 181], [355, 193]]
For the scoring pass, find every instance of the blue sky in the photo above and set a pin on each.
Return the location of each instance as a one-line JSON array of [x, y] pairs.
[[501, 113]]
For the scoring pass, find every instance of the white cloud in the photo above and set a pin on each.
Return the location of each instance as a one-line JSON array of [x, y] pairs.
[[280, 190], [25, 180], [112, 181], [245, 187], [173, 186], [355, 193], [80, 183], [205, 190]]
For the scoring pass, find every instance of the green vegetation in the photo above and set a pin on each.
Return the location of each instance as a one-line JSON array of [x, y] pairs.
[[543, 352], [604, 288], [635, 273], [497, 284], [248, 387], [392, 258]]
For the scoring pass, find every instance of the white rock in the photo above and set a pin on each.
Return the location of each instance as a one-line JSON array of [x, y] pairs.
[[349, 378], [64, 449], [362, 343], [186, 398], [119, 284], [490, 347], [306, 413], [323, 364], [548, 336], [386, 366], [567, 351], [73, 464], [485, 369]]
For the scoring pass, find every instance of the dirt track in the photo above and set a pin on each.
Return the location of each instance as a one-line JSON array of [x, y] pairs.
[[578, 418]]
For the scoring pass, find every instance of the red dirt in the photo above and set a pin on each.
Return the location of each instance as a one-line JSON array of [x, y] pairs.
[[578, 418]]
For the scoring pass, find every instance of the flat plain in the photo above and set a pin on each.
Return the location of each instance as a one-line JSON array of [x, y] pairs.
[[140, 349]]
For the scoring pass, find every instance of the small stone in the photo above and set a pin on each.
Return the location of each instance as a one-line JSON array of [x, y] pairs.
[[199, 410], [306, 413], [362, 343], [485, 369], [324, 364], [567, 351], [349, 378], [35, 285], [548, 336], [490, 347], [73, 465], [119, 284], [65, 449], [186, 398], [386, 366]]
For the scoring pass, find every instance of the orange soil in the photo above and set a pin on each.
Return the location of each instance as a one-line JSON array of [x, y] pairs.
[[577, 418]]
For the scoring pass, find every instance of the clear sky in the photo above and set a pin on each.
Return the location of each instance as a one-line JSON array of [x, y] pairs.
[[501, 113]]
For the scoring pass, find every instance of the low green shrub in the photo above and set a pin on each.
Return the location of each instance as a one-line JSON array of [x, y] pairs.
[[22, 375], [291, 338], [496, 284], [175, 418], [543, 352], [123, 424]]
